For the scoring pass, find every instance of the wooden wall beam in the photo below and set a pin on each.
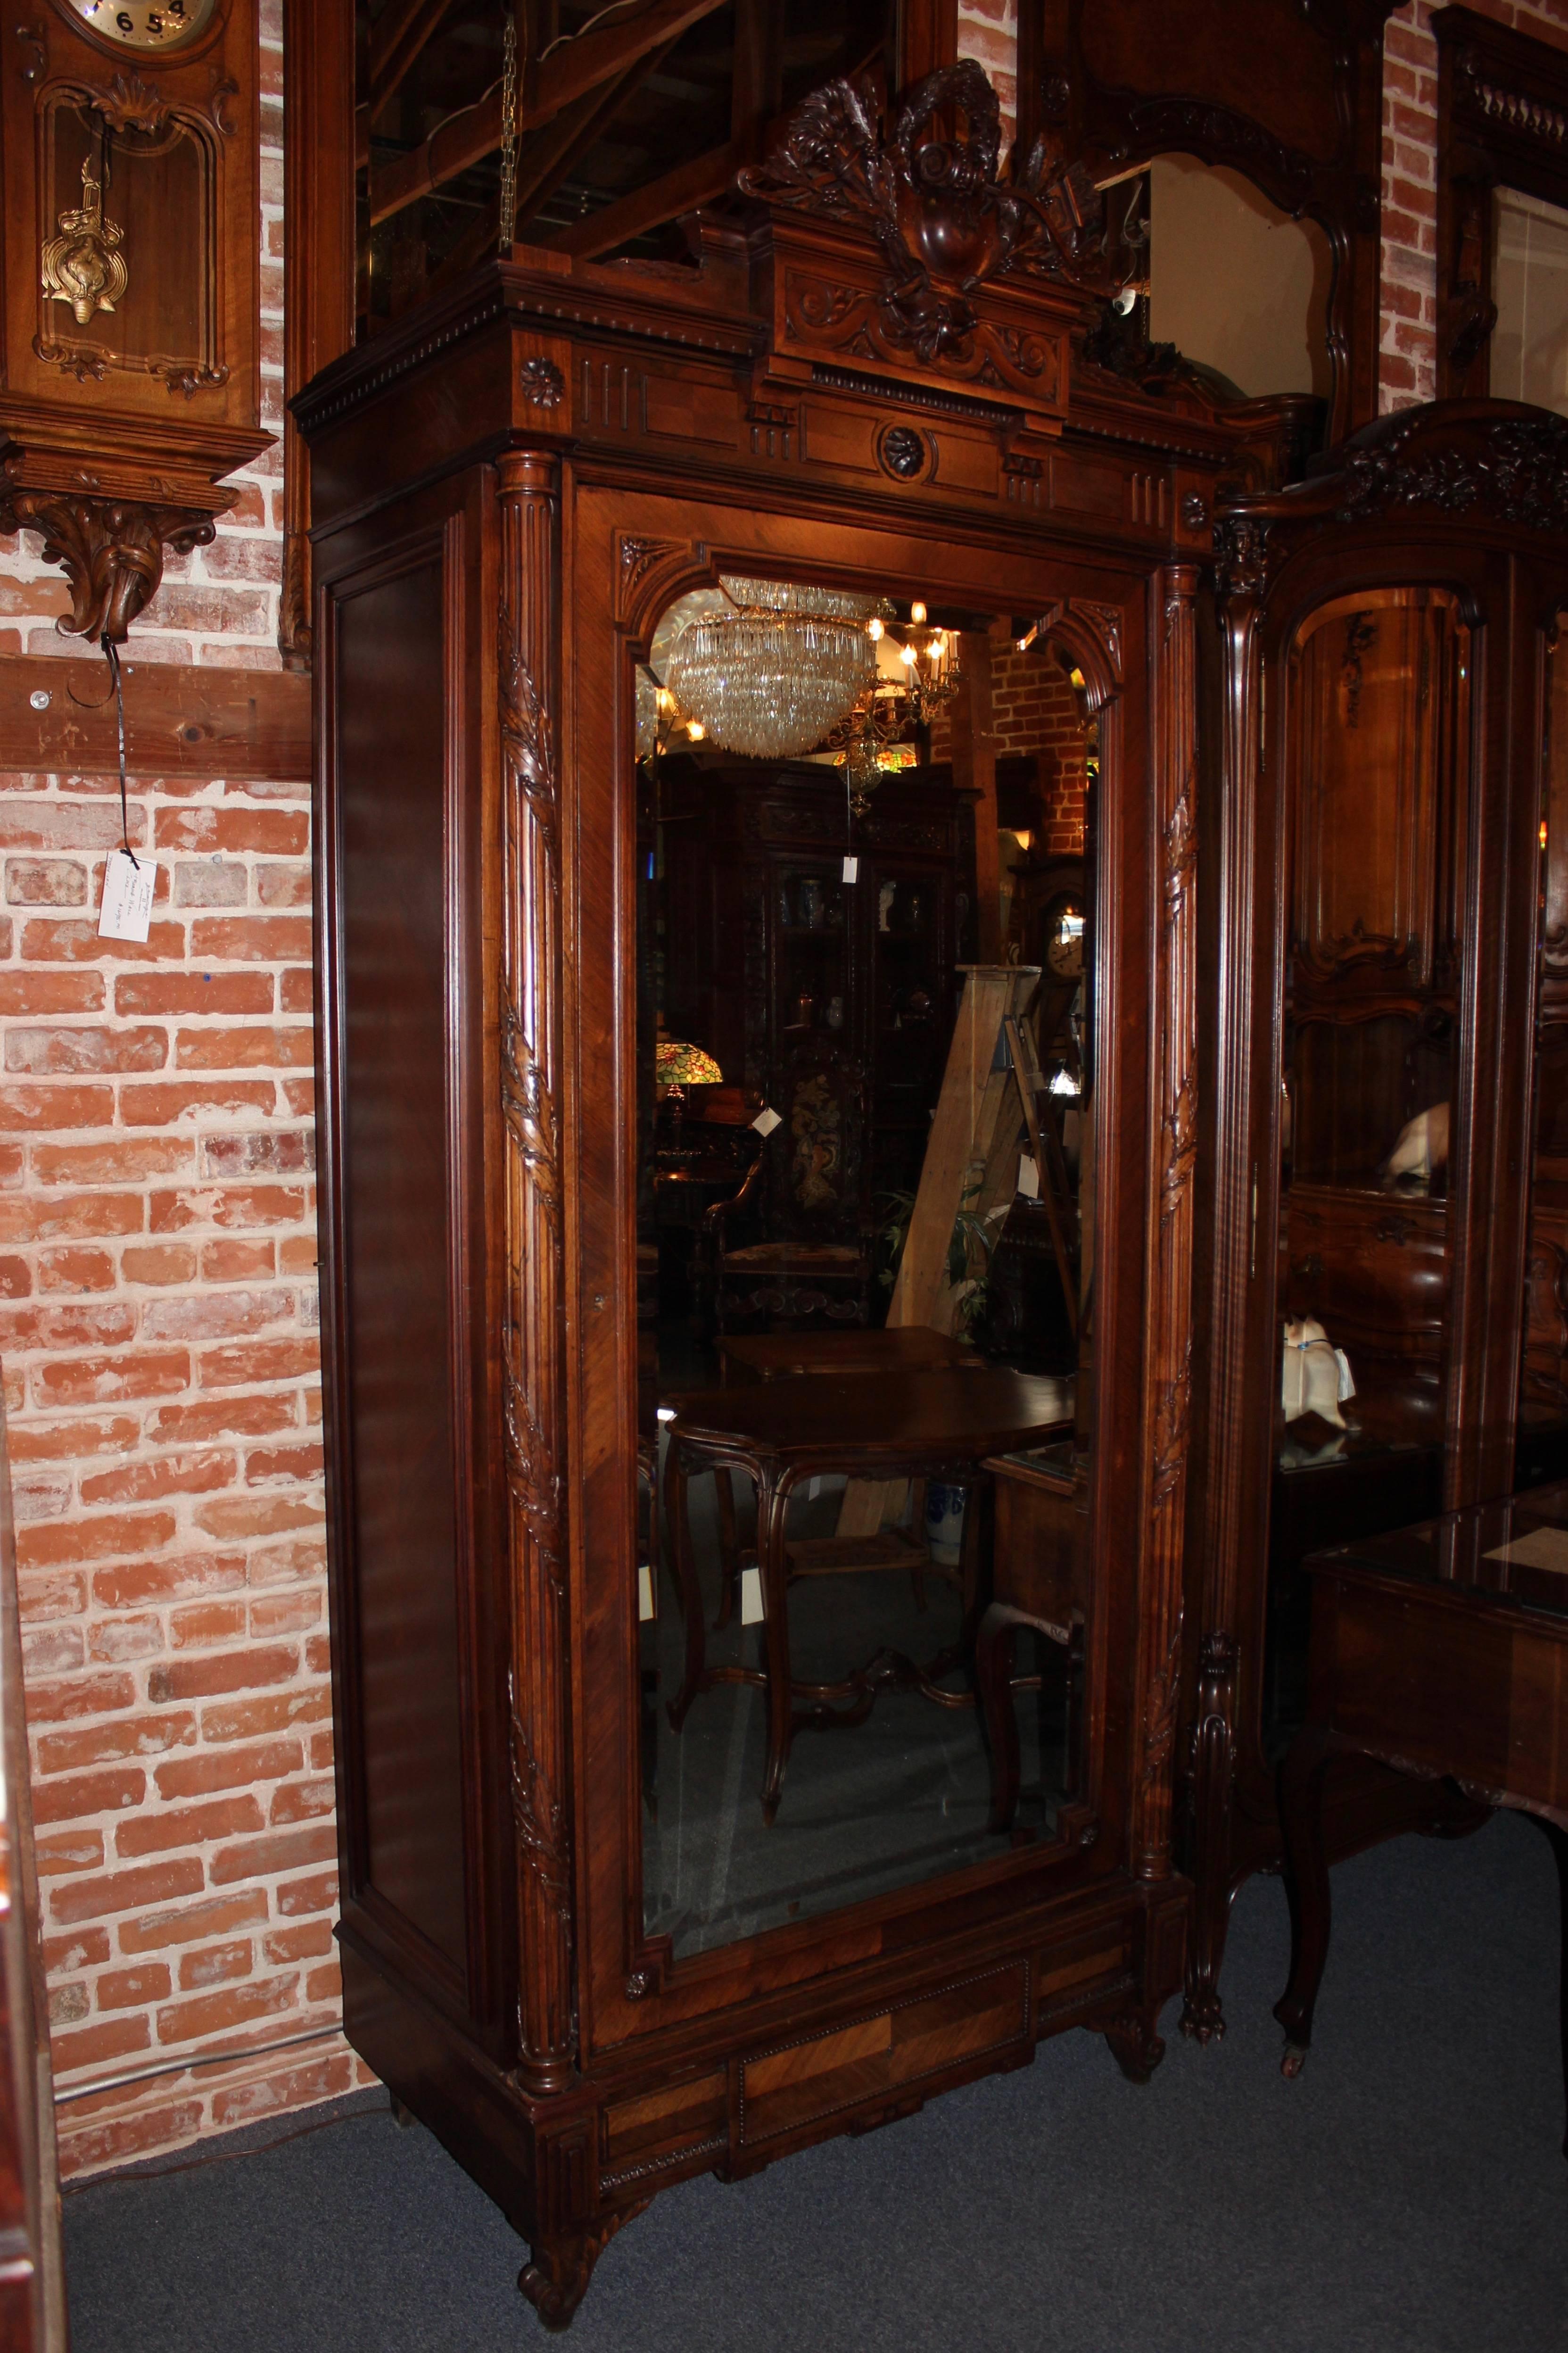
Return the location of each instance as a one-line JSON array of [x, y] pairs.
[[680, 191], [247, 724], [401, 34], [552, 158], [757, 90], [569, 73]]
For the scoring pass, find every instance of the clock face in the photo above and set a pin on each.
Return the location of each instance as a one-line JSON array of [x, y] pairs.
[[144, 24], [1064, 937]]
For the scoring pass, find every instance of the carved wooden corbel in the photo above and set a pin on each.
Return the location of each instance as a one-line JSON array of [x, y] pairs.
[[111, 551]]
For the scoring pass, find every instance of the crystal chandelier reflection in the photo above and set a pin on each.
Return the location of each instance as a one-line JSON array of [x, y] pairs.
[[917, 678], [774, 670]]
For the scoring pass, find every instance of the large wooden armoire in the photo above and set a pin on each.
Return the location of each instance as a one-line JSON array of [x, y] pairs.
[[508, 487], [1380, 1142]]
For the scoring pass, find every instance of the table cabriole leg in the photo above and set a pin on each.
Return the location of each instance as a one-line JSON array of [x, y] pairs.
[[676, 1514], [994, 1675], [773, 1509], [1306, 1885]]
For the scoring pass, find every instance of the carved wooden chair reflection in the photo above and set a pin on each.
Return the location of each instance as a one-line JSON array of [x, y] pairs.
[[811, 1260]]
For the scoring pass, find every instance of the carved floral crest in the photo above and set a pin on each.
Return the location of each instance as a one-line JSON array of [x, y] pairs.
[[946, 221]]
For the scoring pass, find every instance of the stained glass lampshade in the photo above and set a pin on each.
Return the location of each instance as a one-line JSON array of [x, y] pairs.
[[675, 1064]]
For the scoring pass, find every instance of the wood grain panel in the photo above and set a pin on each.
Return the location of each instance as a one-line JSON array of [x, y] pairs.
[[390, 676], [800, 2082], [665, 2123], [179, 721]]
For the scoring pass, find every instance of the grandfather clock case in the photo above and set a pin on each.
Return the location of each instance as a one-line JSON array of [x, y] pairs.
[[129, 335], [509, 488]]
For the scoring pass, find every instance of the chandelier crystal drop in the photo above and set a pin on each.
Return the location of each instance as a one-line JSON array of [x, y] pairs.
[[772, 673]]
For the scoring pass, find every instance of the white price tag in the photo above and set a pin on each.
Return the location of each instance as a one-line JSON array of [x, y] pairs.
[[751, 1597], [1347, 1385], [1028, 1178], [127, 886], [766, 1119], [851, 870], [646, 1611]]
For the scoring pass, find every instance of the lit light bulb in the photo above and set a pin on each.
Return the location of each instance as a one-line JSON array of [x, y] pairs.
[[908, 656], [874, 629], [917, 614], [696, 730], [666, 700], [1543, 833]]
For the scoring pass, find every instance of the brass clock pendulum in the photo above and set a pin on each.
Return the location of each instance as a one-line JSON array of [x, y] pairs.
[[83, 264]]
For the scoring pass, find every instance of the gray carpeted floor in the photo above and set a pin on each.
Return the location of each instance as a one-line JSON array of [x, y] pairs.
[[1408, 2195]]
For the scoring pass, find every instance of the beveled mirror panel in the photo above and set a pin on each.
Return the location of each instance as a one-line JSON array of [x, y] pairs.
[[1377, 811], [862, 1185], [1543, 1444]]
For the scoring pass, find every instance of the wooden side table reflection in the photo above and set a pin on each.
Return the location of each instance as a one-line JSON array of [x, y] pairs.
[[1442, 1651], [791, 1355], [911, 1425], [1039, 1589]]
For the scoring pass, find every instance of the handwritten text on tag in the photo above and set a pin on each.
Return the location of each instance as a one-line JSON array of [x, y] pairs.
[[127, 911]]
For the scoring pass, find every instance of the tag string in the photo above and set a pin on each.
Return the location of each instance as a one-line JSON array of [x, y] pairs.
[[111, 655]]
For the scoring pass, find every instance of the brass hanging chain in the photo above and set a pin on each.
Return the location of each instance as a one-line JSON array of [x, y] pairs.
[[509, 132]]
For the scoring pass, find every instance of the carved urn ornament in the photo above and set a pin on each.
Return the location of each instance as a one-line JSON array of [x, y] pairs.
[[131, 379]]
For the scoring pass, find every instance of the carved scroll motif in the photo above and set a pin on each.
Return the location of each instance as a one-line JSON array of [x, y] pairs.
[[1170, 1373], [639, 559], [532, 1337], [1517, 470], [111, 550], [946, 223]]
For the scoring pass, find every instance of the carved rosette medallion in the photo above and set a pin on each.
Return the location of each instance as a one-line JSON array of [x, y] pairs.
[[543, 386]]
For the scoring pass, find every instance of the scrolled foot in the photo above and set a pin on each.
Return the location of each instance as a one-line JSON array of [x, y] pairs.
[[1135, 2046], [1203, 2017], [557, 2279]]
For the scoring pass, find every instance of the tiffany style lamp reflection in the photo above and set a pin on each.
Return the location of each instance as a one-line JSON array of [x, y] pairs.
[[675, 1067]]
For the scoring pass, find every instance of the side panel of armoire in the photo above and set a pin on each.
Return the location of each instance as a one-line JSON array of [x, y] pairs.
[[407, 1051]]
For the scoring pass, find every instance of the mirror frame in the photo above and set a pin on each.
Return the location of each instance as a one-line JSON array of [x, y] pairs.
[[634, 1985]]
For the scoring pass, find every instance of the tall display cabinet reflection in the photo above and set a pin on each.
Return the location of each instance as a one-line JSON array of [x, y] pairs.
[[1374, 863], [510, 487]]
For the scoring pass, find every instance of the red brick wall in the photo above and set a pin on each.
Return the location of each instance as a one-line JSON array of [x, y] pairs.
[[158, 1335], [1035, 707], [1407, 363], [988, 30]]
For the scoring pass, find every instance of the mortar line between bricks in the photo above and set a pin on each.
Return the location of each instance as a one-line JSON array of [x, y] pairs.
[[187, 2067]]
